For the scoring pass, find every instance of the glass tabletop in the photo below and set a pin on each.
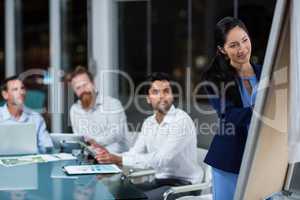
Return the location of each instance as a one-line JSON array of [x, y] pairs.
[[43, 181]]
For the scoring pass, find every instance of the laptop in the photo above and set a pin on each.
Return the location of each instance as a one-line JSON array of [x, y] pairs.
[[18, 139], [67, 141]]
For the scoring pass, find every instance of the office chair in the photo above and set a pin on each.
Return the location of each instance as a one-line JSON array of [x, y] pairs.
[[204, 186], [35, 99], [201, 197], [2, 102]]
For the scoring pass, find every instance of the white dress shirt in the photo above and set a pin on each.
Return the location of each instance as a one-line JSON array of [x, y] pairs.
[[29, 116], [105, 122], [170, 148]]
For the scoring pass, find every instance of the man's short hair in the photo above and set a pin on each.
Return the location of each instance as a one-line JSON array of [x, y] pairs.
[[156, 76], [79, 70], [11, 78]]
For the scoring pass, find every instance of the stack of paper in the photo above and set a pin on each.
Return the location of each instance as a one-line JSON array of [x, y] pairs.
[[23, 160]]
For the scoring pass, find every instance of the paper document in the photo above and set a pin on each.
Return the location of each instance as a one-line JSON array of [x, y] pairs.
[[23, 160], [92, 169]]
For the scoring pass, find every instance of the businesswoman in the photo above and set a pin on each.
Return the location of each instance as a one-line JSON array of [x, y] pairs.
[[231, 82]]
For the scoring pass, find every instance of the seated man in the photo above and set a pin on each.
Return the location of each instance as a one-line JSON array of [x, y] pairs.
[[167, 143], [98, 118], [14, 111]]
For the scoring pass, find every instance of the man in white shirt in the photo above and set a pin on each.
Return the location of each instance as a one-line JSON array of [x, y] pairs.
[[98, 118], [14, 111], [167, 143]]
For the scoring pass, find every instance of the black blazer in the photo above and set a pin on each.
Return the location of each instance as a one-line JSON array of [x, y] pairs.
[[227, 148]]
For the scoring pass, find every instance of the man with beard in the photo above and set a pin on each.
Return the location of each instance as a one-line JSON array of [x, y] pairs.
[[167, 143], [14, 111], [98, 118]]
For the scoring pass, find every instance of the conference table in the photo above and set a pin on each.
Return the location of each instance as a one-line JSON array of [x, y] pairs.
[[43, 181]]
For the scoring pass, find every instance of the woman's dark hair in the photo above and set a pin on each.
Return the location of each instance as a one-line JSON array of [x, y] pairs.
[[220, 71]]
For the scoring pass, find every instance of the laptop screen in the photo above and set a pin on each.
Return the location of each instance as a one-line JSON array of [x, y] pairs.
[[18, 139]]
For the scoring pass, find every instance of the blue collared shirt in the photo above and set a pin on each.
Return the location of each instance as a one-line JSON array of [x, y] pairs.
[[248, 99], [28, 116]]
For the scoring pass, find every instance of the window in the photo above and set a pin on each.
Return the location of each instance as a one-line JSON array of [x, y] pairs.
[[179, 40], [2, 63], [74, 44]]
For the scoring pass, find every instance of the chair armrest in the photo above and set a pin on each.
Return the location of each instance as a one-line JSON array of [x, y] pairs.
[[186, 188], [190, 188], [137, 174], [202, 197]]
